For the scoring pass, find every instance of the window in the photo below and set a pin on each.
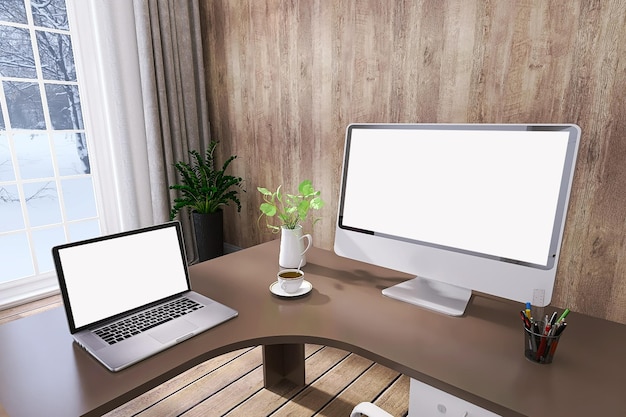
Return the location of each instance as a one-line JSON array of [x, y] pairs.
[[47, 194]]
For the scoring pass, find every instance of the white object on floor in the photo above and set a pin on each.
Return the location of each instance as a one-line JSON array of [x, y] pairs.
[[369, 410]]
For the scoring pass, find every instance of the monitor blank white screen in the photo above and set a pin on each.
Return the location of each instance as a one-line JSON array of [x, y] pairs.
[[446, 188]]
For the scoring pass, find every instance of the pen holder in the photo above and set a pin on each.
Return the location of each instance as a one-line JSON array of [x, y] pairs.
[[539, 347]]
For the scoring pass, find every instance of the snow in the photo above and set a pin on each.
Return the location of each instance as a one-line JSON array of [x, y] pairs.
[[35, 163]]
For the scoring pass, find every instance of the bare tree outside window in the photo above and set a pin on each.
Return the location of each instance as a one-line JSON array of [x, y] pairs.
[[45, 182], [50, 14], [16, 58], [24, 105], [55, 53], [13, 11]]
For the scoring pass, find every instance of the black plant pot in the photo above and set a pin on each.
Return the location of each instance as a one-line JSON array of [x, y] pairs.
[[209, 234]]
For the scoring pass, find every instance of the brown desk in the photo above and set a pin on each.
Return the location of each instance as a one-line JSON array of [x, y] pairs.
[[478, 357]]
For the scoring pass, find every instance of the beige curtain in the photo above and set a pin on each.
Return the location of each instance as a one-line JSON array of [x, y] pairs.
[[173, 94]]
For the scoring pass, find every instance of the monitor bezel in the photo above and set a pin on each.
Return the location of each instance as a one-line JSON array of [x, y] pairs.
[[569, 163]]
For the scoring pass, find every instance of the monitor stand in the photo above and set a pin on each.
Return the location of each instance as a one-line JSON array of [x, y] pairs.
[[433, 295]]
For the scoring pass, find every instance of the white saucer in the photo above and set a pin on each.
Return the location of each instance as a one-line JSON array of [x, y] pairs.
[[305, 288]]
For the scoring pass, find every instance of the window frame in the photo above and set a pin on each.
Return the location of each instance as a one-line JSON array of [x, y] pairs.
[[95, 46]]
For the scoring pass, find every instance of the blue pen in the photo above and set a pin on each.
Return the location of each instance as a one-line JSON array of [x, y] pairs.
[[528, 313]]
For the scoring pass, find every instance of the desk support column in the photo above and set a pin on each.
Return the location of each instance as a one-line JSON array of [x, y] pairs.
[[283, 362]]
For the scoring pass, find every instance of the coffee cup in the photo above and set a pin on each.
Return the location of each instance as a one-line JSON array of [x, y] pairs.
[[290, 280]]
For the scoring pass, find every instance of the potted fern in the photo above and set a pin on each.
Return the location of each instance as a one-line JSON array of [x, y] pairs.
[[204, 190]]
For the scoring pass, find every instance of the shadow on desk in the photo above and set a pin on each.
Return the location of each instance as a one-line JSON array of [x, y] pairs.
[[356, 277], [313, 298], [492, 311]]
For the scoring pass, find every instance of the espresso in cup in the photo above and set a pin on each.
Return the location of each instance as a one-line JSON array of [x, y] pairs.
[[290, 280]]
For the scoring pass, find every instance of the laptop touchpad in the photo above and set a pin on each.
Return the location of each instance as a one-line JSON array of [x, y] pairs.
[[172, 330]]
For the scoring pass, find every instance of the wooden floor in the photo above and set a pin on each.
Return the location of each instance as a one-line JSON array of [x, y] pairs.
[[232, 384]]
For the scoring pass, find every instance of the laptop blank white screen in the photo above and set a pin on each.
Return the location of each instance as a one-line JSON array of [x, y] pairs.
[[108, 277]]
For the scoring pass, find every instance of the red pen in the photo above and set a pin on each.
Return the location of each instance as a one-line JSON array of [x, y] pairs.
[[544, 341], [556, 341], [525, 319], [542, 347]]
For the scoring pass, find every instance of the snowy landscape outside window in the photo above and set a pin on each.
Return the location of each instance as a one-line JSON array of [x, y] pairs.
[[46, 187]]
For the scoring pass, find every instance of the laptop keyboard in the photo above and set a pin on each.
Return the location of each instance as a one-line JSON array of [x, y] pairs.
[[133, 325]]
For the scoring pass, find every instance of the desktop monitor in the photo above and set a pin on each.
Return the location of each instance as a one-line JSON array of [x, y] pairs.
[[462, 207]]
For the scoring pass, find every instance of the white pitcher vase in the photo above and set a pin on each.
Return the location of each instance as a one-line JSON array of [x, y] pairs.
[[292, 247]]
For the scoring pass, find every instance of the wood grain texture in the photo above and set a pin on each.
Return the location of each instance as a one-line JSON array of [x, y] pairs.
[[266, 401], [184, 391], [30, 308], [321, 391], [285, 78], [370, 384]]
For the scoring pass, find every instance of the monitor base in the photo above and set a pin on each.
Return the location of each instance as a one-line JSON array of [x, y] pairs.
[[433, 295]]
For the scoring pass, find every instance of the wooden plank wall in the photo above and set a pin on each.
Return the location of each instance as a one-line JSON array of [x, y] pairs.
[[286, 77]]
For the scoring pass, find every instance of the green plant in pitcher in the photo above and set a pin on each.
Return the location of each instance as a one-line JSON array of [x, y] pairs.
[[289, 209]]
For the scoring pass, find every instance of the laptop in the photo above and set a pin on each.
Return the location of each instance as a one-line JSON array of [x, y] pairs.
[[127, 296]]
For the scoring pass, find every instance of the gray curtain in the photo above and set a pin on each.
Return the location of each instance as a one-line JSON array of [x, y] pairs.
[[173, 94]]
